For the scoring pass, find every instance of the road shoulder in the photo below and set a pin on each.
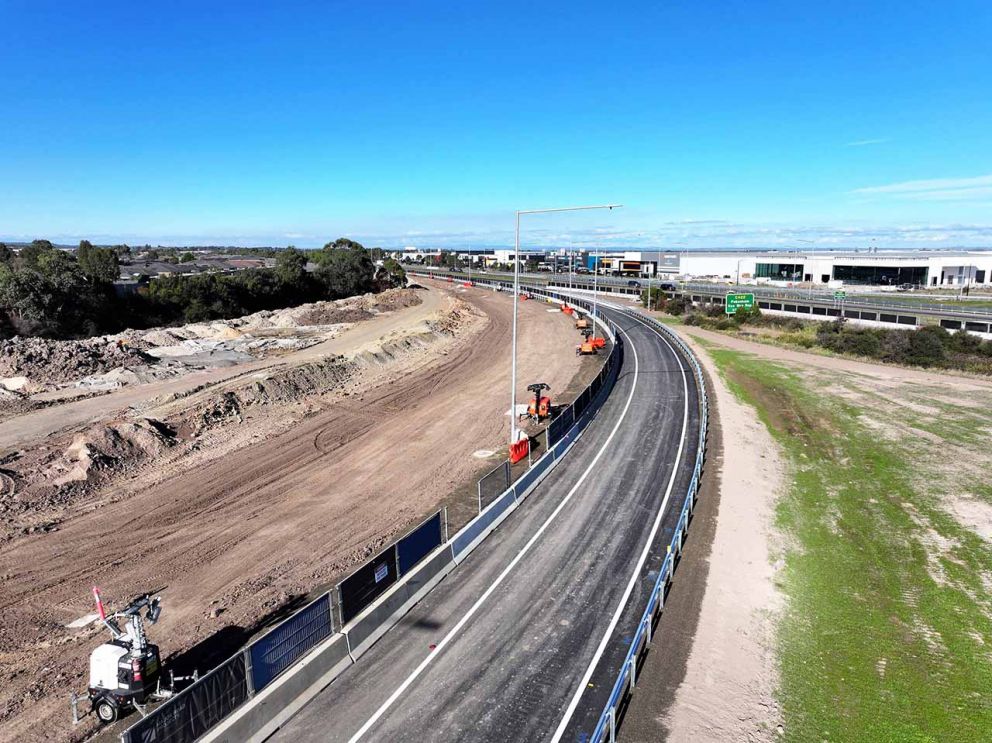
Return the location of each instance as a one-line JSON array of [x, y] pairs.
[[710, 675]]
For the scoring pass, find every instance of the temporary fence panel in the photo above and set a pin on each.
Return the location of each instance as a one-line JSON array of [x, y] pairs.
[[274, 652], [367, 583], [419, 543], [494, 484], [560, 425], [187, 716]]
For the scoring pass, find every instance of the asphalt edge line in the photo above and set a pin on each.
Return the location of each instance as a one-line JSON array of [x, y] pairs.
[[649, 543], [506, 571]]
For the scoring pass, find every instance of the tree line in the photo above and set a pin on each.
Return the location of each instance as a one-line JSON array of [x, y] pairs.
[[46, 291]]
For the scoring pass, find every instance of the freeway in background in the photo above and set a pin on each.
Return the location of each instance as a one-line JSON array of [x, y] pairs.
[[978, 306]]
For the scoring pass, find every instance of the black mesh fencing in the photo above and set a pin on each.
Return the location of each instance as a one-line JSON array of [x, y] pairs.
[[367, 583], [560, 425], [494, 484], [274, 652], [419, 543], [187, 716]]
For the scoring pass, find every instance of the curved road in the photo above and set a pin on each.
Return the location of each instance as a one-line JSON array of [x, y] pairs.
[[524, 639]]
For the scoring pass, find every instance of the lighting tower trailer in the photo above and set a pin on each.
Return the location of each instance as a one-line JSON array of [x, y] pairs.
[[125, 672]]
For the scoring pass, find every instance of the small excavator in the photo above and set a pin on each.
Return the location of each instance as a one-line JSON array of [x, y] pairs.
[[540, 406]]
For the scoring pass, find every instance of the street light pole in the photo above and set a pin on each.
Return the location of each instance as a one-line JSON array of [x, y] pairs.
[[516, 297], [595, 292]]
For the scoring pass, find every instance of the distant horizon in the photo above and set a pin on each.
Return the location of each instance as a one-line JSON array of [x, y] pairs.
[[531, 248]]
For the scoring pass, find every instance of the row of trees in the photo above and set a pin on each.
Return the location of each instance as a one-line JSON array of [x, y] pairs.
[[56, 293]]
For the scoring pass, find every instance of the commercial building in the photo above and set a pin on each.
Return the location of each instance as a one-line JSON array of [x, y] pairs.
[[889, 268]]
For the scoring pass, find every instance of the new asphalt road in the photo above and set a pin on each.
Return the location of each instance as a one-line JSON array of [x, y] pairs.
[[524, 639]]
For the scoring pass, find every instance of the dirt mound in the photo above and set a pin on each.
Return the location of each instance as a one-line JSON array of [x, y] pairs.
[[46, 362], [392, 299], [39, 483], [284, 386], [30, 365], [323, 314], [352, 309], [113, 446]]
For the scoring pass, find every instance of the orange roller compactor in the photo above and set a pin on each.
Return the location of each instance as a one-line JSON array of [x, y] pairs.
[[588, 345]]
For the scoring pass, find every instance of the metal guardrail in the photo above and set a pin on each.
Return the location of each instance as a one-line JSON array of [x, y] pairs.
[[606, 728]]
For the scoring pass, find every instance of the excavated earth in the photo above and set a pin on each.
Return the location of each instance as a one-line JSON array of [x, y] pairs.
[[236, 500]]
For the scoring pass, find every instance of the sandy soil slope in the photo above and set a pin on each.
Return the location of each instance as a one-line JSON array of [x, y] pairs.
[[727, 693], [231, 538], [317, 342]]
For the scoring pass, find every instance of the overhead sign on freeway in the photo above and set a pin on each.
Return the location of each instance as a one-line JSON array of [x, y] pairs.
[[738, 302], [840, 295]]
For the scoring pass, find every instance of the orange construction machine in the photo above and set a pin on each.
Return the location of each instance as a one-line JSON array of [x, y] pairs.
[[588, 345], [582, 324], [540, 406]]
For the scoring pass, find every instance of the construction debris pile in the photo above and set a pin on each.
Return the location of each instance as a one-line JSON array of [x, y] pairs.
[[33, 365], [39, 483]]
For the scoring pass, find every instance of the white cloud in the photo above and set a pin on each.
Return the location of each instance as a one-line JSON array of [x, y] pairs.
[[934, 189], [865, 142]]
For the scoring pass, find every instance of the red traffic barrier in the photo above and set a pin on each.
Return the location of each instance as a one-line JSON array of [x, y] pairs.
[[519, 450]]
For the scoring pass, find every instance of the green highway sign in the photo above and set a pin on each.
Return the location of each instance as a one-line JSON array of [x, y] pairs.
[[840, 295], [738, 302]]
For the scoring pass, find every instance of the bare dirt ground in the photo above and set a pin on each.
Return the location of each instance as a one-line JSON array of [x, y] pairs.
[[278, 494], [727, 693]]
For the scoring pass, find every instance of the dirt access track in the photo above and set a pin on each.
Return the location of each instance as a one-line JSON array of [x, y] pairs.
[[228, 541]]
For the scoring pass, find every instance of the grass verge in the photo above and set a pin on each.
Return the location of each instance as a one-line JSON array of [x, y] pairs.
[[887, 631]]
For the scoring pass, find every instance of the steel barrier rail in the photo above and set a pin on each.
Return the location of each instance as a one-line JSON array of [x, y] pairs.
[[606, 728]]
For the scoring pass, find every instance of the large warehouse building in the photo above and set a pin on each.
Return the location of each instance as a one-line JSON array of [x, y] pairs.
[[919, 268]]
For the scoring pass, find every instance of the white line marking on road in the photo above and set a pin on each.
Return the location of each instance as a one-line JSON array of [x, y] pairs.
[[506, 571], [560, 731]]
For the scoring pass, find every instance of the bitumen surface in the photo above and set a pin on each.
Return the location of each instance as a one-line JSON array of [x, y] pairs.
[[524, 640]]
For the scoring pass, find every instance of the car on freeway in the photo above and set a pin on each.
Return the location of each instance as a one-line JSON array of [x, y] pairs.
[[633, 282]]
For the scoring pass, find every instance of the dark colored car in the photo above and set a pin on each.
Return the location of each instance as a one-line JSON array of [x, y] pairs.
[[632, 282]]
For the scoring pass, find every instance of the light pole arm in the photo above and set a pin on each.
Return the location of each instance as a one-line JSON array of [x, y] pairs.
[[516, 297]]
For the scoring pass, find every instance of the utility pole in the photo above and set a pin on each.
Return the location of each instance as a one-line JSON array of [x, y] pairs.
[[516, 299]]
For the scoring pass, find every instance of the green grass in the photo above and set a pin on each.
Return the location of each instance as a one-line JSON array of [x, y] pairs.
[[887, 634]]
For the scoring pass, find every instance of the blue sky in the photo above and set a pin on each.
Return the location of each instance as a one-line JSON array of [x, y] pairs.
[[716, 124]]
